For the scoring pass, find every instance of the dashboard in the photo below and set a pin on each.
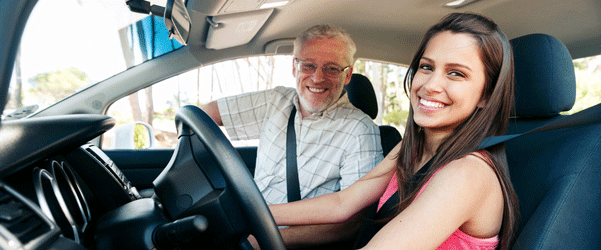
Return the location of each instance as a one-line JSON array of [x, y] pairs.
[[58, 191], [53, 183]]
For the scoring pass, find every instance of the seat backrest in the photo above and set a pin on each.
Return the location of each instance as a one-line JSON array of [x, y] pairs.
[[361, 94], [556, 174]]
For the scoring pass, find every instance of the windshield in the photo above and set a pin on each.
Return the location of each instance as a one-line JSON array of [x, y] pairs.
[[70, 44]]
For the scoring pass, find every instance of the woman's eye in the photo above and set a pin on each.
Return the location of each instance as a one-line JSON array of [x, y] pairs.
[[456, 73], [425, 67]]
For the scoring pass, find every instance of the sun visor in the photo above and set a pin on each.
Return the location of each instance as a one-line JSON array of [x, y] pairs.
[[221, 7], [231, 30]]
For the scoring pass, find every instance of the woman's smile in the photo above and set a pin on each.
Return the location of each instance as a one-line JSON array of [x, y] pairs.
[[430, 105]]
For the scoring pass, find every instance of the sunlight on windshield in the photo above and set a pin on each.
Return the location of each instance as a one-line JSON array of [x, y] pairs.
[[70, 44]]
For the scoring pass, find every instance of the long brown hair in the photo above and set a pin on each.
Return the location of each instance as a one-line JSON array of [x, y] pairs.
[[490, 120]]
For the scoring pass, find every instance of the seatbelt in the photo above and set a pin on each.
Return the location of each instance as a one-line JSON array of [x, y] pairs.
[[293, 191], [587, 117]]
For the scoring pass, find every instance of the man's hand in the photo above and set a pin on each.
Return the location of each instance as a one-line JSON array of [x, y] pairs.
[[212, 109]]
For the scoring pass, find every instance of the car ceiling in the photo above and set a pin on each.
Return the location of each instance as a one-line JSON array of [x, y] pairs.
[[390, 30]]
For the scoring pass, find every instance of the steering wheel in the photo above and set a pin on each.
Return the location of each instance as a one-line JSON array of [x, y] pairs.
[[206, 176]]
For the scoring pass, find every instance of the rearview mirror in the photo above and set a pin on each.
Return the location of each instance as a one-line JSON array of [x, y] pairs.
[[177, 20]]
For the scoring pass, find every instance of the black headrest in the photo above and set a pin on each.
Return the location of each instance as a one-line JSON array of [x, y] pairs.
[[362, 95], [545, 81]]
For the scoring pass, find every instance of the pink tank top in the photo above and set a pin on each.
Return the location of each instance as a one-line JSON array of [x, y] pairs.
[[457, 240]]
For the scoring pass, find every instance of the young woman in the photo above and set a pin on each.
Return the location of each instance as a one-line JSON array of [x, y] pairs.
[[461, 89]]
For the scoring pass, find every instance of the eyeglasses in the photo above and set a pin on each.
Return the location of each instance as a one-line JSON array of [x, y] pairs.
[[310, 68]]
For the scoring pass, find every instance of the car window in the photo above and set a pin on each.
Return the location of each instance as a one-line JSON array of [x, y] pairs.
[[53, 62], [137, 114], [588, 83], [211, 82]]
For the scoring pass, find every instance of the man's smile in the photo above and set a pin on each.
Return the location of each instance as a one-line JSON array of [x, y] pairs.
[[316, 90]]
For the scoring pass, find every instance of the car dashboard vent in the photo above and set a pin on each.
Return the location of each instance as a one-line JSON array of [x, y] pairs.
[[22, 224]]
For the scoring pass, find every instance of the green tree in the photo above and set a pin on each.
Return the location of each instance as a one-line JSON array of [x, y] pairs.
[[53, 86], [393, 104], [141, 139]]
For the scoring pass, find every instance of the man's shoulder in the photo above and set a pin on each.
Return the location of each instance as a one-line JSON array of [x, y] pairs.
[[353, 121], [277, 91], [348, 111], [344, 109], [287, 91]]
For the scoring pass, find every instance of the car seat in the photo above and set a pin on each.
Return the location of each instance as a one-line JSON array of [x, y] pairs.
[[556, 174], [361, 94]]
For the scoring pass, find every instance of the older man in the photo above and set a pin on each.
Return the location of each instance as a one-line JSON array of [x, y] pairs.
[[336, 143]]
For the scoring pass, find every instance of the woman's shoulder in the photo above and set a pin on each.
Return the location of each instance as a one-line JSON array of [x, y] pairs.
[[472, 187], [473, 169]]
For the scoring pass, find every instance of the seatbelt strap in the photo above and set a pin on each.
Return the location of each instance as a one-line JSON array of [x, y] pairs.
[[589, 116], [293, 191]]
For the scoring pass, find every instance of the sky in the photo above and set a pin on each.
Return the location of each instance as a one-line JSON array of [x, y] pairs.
[[50, 42]]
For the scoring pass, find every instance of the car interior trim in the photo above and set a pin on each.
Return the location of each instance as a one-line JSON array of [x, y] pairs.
[[49, 196], [27, 210], [66, 180]]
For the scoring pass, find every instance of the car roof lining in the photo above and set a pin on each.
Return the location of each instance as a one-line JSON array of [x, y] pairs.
[[398, 33]]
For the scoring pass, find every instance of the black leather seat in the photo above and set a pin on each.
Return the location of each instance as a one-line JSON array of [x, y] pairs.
[[556, 174], [362, 95]]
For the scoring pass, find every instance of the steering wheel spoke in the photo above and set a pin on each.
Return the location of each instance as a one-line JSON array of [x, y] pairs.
[[207, 176]]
